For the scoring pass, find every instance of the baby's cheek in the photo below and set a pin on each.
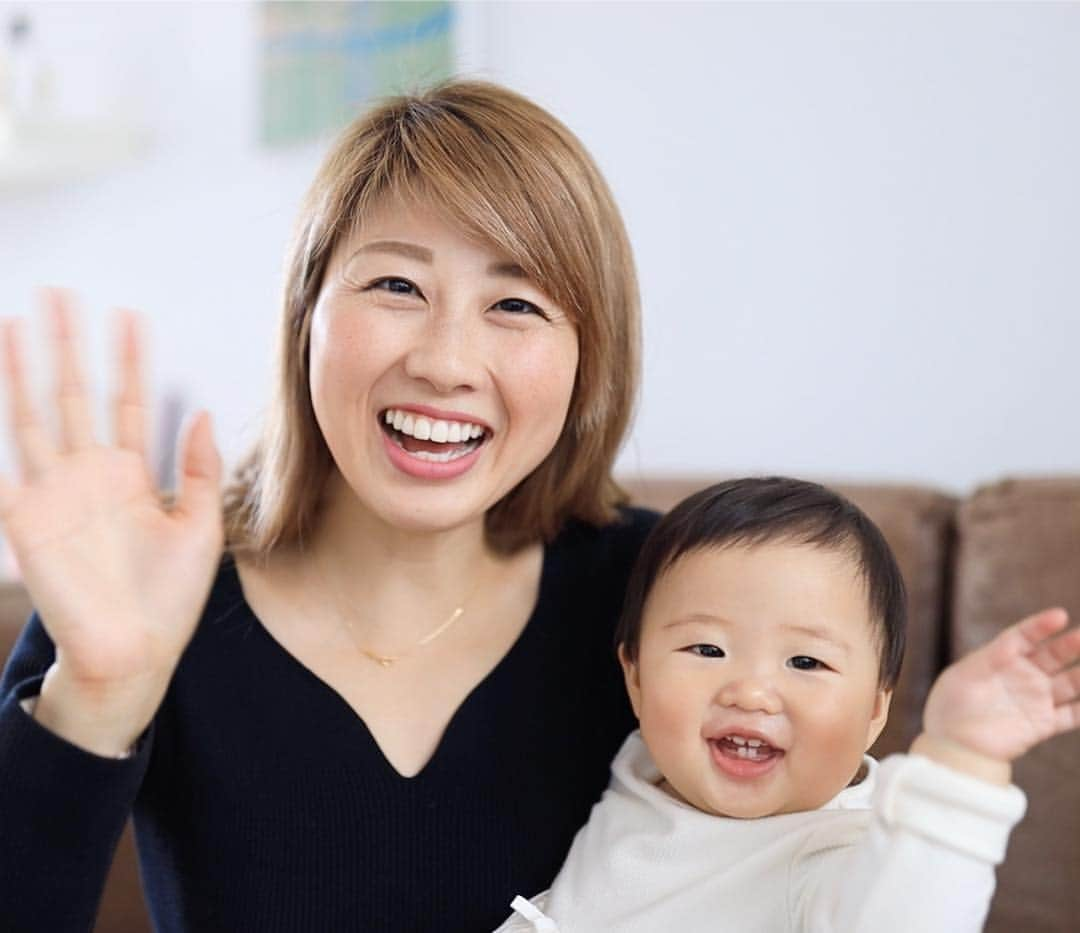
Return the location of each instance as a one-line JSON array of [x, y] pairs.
[[667, 731], [838, 738], [669, 715]]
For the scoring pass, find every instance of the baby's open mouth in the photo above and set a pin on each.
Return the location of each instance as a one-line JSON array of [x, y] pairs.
[[745, 748], [432, 439]]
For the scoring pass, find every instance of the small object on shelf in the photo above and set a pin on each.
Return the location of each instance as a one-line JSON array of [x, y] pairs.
[[38, 146], [41, 151]]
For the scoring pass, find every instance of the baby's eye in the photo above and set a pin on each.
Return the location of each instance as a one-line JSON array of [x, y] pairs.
[[394, 285], [705, 651], [519, 306], [802, 662]]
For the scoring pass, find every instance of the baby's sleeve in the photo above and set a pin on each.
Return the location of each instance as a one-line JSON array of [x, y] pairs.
[[925, 861]]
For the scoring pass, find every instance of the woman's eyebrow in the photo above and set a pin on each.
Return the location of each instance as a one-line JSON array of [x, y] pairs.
[[408, 250], [422, 254], [507, 269]]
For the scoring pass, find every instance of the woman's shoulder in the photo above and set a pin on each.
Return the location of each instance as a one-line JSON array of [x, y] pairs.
[[619, 540], [601, 555]]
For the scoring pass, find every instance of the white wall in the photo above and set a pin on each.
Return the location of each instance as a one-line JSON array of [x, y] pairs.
[[857, 226]]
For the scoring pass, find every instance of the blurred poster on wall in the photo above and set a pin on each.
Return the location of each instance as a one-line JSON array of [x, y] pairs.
[[321, 62]]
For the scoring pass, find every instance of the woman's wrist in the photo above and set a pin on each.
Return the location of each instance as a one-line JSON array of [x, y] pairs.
[[960, 758], [105, 721]]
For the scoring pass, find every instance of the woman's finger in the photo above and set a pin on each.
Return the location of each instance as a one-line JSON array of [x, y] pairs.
[[34, 449], [9, 497], [199, 491], [76, 423], [129, 409]]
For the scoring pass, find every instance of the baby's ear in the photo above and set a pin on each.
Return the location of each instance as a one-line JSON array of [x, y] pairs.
[[633, 682], [880, 715]]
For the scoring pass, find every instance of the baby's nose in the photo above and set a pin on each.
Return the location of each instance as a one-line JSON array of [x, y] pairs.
[[752, 693]]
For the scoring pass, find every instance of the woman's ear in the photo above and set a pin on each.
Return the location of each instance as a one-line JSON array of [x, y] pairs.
[[633, 682], [879, 717]]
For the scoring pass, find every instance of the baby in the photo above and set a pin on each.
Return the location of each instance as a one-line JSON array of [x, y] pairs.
[[761, 641]]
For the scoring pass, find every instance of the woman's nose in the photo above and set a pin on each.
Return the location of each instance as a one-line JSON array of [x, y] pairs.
[[750, 692], [445, 353]]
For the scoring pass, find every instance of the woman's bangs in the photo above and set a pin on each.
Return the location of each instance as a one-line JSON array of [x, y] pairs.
[[488, 201]]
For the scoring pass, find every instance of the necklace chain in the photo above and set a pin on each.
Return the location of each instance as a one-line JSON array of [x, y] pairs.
[[387, 660]]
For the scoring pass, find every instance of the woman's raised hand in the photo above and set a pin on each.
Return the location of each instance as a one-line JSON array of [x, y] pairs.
[[118, 578]]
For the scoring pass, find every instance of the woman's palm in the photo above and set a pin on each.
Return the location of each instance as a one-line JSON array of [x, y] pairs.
[[117, 577]]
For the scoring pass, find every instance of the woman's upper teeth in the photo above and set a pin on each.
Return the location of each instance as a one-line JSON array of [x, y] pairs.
[[431, 429]]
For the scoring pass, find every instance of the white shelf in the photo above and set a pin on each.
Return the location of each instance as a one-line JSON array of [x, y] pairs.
[[35, 154]]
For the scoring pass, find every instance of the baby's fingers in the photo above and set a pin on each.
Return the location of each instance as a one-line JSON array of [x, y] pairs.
[[1066, 686], [1028, 637], [32, 444], [1067, 717], [1055, 654]]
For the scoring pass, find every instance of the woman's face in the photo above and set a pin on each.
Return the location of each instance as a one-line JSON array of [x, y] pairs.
[[440, 376]]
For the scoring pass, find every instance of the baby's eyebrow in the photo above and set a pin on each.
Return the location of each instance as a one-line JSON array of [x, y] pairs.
[[696, 618], [821, 634]]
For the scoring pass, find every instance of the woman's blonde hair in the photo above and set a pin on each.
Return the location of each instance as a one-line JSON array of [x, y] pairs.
[[513, 176]]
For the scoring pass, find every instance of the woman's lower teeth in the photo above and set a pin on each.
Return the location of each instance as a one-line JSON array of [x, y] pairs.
[[433, 457], [453, 452]]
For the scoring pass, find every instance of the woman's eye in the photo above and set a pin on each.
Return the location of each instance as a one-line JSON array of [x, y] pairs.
[[802, 662], [706, 651], [519, 306], [395, 286]]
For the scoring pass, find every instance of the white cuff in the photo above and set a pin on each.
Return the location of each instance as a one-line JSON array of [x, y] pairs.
[[942, 804], [539, 920]]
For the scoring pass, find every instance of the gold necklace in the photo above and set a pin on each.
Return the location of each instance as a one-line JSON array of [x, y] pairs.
[[386, 660]]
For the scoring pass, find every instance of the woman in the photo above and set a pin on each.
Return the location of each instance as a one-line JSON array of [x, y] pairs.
[[394, 701]]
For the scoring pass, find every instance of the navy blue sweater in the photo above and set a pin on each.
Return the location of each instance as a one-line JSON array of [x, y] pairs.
[[262, 802]]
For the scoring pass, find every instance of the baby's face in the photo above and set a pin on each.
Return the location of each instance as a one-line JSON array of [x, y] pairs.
[[756, 679]]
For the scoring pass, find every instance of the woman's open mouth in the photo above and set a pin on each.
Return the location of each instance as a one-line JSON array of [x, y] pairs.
[[433, 440]]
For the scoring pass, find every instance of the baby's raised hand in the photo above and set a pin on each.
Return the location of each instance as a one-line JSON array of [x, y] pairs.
[[1004, 698]]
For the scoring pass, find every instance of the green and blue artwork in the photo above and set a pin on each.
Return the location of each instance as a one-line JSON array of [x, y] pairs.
[[323, 61]]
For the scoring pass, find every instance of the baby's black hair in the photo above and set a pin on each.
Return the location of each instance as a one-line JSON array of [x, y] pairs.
[[749, 512]]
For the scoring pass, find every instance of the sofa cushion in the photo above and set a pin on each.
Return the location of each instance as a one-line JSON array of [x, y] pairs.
[[1018, 552]]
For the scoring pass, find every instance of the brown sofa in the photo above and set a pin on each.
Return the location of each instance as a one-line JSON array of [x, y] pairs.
[[972, 566]]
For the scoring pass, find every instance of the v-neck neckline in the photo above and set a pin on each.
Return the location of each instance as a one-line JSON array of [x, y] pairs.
[[356, 721]]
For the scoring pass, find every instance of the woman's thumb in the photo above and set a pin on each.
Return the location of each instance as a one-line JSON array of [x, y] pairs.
[[199, 482]]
